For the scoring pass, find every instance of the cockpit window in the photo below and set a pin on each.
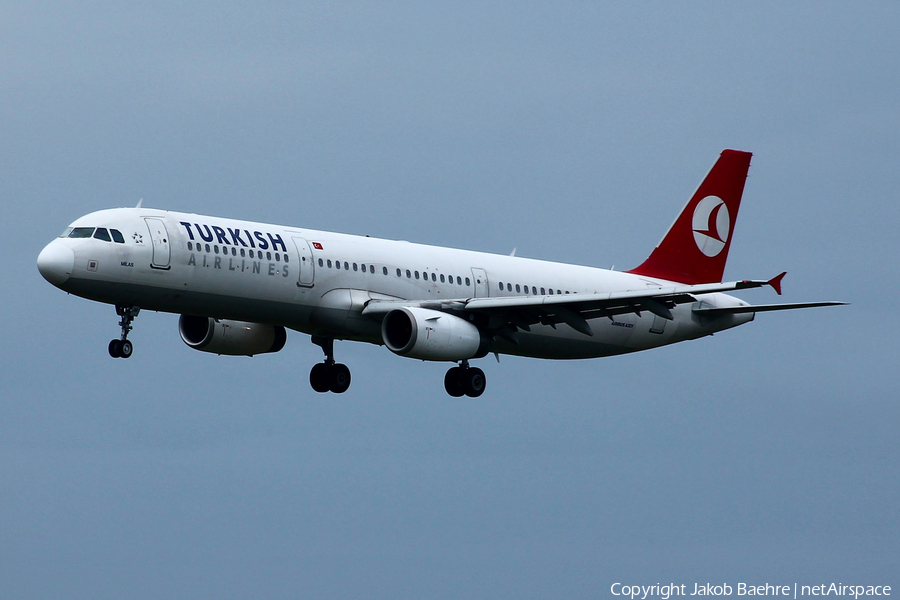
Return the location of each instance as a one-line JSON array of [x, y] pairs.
[[81, 232], [102, 234], [117, 236], [66, 233]]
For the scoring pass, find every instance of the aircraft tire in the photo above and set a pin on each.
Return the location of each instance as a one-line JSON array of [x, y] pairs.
[[453, 382], [114, 350], [340, 378], [125, 349], [320, 378], [473, 382]]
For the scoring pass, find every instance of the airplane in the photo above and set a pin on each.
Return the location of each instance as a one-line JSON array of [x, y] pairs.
[[239, 285]]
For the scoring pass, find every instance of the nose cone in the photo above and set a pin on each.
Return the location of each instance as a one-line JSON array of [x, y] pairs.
[[55, 262]]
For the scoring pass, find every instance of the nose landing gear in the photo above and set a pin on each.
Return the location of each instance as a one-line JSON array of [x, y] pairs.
[[328, 376], [122, 348], [465, 381]]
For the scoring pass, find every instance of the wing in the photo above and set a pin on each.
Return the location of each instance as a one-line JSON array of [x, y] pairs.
[[507, 314]]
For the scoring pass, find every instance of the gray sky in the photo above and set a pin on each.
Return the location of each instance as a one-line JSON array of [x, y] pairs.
[[574, 133]]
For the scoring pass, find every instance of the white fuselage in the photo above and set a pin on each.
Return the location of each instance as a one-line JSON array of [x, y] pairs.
[[318, 282]]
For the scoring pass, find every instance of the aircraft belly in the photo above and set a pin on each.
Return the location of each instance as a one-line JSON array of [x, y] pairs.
[[221, 306], [621, 335], [539, 345]]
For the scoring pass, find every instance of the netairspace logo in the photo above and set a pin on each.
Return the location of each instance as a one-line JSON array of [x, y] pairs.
[[667, 591]]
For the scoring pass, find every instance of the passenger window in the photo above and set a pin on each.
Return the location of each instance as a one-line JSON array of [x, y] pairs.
[[243, 253], [398, 272], [233, 251], [355, 267], [207, 248], [518, 289], [190, 246], [216, 248], [417, 274], [533, 291], [329, 263], [458, 280], [286, 258], [268, 256], [372, 270], [408, 274], [337, 264], [433, 277], [543, 293], [501, 286], [320, 263], [346, 266], [117, 236], [442, 278], [277, 257], [558, 292], [384, 270], [551, 291], [468, 281], [81, 232]]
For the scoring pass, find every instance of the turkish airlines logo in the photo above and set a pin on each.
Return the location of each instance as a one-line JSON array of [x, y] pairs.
[[711, 225]]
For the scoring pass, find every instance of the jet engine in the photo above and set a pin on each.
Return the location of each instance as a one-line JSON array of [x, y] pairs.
[[432, 335], [235, 338]]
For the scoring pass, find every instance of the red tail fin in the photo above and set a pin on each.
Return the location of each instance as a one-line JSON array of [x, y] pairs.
[[696, 246]]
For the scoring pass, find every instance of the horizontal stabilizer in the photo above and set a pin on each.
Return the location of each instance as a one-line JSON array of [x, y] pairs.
[[731, 310]]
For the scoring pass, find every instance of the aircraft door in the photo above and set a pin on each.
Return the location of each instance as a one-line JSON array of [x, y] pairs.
[[482, 289], [305, 264], [160, 239]]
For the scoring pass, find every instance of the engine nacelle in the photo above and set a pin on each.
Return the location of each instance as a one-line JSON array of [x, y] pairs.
[[432, 335], [235, 338]]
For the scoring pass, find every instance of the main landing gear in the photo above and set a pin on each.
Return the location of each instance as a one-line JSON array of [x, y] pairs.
[[328, 376], [122, 348], [465, 381]]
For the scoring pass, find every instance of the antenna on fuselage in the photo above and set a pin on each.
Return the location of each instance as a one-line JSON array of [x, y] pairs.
[[141, 201]]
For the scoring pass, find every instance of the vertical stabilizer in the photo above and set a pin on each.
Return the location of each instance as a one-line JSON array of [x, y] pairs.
[[696, 246]]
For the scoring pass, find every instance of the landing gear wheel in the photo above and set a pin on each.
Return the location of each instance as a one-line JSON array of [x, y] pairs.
[[453, 382], [328, 376], [122, 348], [320, 378], [340, 378], [473, 382]]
